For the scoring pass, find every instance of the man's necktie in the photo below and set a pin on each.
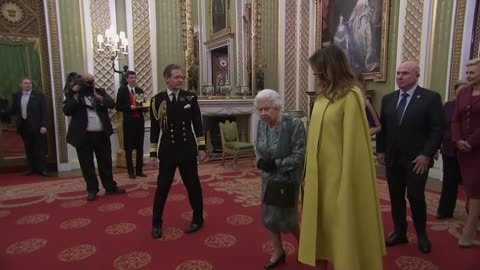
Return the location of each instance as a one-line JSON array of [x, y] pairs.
[[23, 103], [401, 108], [174, 97], [132, 91]]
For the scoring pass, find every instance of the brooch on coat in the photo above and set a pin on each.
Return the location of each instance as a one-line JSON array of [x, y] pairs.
[[189, 98]]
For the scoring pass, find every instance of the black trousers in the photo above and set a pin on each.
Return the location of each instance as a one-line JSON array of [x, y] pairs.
[[133, 134], [189, 173], [400, 176], [451, 179], [97, 143], [35, 147]]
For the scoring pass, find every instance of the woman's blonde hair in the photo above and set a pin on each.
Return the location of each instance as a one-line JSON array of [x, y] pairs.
[[333, 71]]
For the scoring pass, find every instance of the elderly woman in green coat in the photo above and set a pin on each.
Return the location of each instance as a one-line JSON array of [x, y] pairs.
[[280, 150]]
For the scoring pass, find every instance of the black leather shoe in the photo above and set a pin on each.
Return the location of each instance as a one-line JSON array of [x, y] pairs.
[[91, 196], [29, 172], [131, 176], [44, 173], [141, 174], [157, 233], [395, 239], [424, 243], [193, 228], [270, 265], [117, 190]]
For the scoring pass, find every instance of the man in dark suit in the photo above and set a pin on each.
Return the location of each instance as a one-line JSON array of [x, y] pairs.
[[133, 123], [412, 130], [173, 113], [30, 110], [89, 132]]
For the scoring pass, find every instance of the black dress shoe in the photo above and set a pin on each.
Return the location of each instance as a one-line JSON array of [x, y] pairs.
[[91, 196], [29, 172], [117, 190], [141, 174], [424, 243], [193, 228], [44, 173], [131, 176], [156, 233], [270, 265], [395, 239]]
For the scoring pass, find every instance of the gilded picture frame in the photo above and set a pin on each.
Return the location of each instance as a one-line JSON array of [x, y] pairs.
[[219, 18], [360, 29]]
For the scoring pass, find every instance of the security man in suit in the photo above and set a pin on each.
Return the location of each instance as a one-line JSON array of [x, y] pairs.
[[89, 132], [133, 123], [412, 130], [173, 113], [30, 109]]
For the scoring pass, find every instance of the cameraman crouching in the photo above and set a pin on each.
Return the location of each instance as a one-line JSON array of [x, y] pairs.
[[89, 132]]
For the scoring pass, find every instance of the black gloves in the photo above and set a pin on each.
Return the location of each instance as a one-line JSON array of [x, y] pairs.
[[266, 165]]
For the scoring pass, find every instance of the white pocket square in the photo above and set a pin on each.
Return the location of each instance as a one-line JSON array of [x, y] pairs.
[[187, 106]]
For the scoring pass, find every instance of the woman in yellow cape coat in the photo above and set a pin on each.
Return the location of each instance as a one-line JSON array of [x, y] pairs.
[[341, 221]]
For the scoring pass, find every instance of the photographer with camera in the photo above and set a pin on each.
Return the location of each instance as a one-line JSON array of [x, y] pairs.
[[89, 131]]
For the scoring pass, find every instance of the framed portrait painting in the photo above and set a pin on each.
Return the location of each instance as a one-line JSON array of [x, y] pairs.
[[360, 29], [219, 17]]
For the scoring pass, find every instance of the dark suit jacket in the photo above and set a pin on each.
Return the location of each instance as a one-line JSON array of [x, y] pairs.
[[448, 147], [36, 111], [122, 103], [77, 128], [420, 132], [178, 141]]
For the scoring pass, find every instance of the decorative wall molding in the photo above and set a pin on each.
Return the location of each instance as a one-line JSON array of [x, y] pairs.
[[412, 31], [456, 53], [56, 80], [142, 46], [290, 68]]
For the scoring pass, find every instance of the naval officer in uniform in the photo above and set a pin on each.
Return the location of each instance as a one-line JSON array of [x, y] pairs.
[[173, 113]]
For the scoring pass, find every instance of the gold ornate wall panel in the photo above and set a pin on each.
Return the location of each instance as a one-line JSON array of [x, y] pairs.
[[303, 61], [57, 81], [290, 54], [21, 17], [102, 65], [412, 38], [142, 48], [457, 46]]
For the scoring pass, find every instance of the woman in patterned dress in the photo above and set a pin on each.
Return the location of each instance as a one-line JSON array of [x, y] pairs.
[[280, 151]]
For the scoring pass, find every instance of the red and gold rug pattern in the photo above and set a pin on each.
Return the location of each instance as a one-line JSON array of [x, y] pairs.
[[50, 225]]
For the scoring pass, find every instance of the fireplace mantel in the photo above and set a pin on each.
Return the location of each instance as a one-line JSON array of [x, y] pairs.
[[232, 107]]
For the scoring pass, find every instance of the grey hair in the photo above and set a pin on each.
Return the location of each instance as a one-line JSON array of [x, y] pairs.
[[269, 95]]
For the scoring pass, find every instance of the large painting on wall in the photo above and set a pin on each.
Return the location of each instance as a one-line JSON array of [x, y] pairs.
[[359, 28], [219, 16]]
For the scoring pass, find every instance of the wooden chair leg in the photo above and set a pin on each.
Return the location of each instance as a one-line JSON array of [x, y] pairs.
[[235, 159], [223, 158]]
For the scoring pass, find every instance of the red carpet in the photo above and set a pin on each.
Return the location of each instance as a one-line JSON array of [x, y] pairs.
[[50, 225], [12, 144]]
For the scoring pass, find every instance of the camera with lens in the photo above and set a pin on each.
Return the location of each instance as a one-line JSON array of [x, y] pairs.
[[85, 86]]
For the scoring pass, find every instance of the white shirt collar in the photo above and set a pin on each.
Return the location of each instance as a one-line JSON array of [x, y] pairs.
[[169, 92], [28, 92], [410, 91]]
